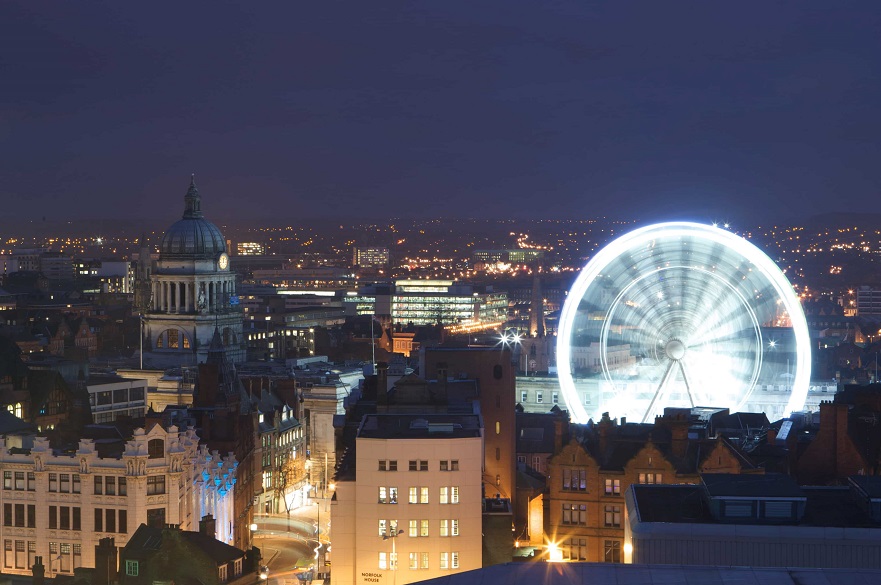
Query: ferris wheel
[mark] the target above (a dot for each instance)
(680, 314)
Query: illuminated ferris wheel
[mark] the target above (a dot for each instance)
(680, 314)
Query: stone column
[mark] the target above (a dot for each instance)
(180, 296)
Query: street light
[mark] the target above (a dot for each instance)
(393, 561)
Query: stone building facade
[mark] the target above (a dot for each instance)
(58, 506)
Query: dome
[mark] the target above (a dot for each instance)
(193, 235)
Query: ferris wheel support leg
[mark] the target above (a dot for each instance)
(660, 389)
(687, 385)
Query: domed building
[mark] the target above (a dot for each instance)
(191, 292)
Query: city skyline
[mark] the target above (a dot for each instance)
(413, 110)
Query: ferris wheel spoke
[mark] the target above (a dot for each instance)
(660, 389)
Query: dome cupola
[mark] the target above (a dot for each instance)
(192, 236)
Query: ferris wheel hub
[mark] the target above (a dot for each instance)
(675, 349)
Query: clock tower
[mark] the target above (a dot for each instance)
(191, 288)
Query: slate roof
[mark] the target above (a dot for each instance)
(751, 485)
(621, 574)
(147, 540)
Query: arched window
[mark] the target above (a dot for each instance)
(172, 339)
(156, 449)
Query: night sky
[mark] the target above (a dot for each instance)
(524, 109)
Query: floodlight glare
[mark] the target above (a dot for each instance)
(674, 314)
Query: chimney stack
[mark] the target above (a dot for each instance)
(208, 526)
(105, 562)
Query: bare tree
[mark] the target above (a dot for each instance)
(286, 476)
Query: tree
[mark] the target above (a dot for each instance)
(285, 477)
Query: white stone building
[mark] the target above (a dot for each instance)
(58, 506)
(414, 511)
(193, 291)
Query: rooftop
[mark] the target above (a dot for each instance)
(419, 426)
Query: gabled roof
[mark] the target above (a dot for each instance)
(147, 541)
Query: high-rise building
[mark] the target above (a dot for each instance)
(193, 292)
(370, 257)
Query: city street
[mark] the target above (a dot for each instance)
(285, 541)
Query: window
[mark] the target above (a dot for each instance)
(414, 561)
(454, 527)
(110, 520)
(155, 449)
(387, 465)
(99, 520)
(32, 482)
(19, 480)
(414, 528)
(454, 560)
(155, 485)
(574, 480)
(651, 478)
(131, 568)
(110, 486)
(612, 551)
(444, 465)
(523, 396)
(123, 521)
(445, 560)
(53, 517)
(7, 514)
(613, 516)
(413, 464)
(574, 514)
(454, 465)
(32, 516)
(388, 495)
(539, 397)
(53, 482)
(64, 522)
(237, 568)
(77, 519)
(121, 484)
(577, 549)
(423, 528)
(444, 495)
(19, 515)
(76, 483)
(388, 528)
(221, 573)
(99, 485)
(7, 557)
(444, 528)
(454, 494)
(65, 483)
(423, 465)
(388, 561)
(555, 397)
(423, 560)
(613, 487)
(7, 482)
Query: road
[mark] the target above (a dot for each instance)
(283, 554)
(284, 541)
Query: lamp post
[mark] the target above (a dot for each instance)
(393, 561)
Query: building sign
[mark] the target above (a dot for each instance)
(371, 577)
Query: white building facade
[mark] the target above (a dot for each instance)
(414, 510)
(59, 506)
(193, 292)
